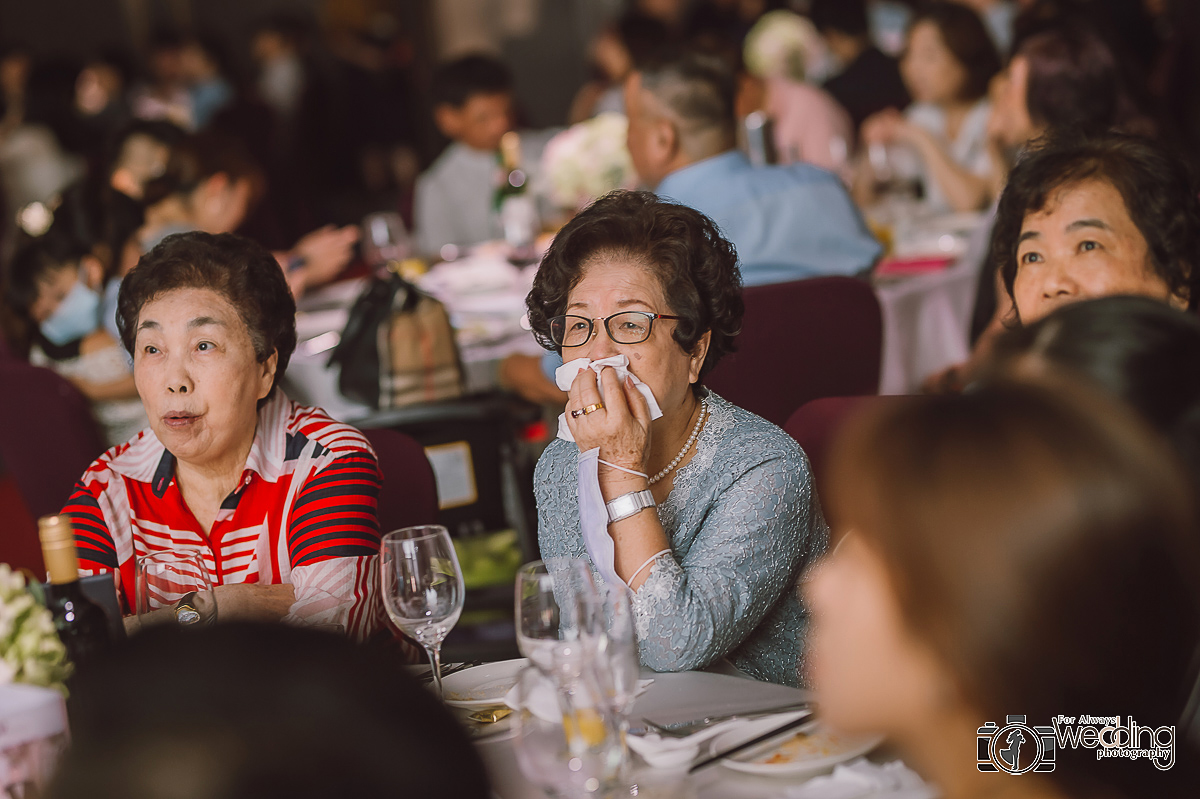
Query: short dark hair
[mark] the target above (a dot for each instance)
(1137, 349)
(239, 269)
(966, 37)
(848, 17)
(1158, 190)
(456, 82)
(237, 711)
(696, 267)
(699, 88)
(165, 133)
(1074, 80)
(198, 157)
(642, 35)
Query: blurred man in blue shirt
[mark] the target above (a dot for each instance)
(787, 222)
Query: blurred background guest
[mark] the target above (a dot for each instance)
(948, 61)
(615, 52)
(786, 222)
(269, 710)
(976, 530)
(867, 81)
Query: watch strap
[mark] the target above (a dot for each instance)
(627, 505)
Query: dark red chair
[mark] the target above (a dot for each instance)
(409, 494)
(815, 426)
(47, 434)
(800, 341)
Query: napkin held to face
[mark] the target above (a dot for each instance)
(564, 376)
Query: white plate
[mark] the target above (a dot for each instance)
(820, 750)
(482, 686)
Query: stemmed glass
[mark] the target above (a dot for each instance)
(384, 238)
(174, 587)
(542, 624)
(423, 587)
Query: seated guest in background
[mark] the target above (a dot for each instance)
(869, 81)
(998, 16)
(54, 290)
(209, 183)
(980, 532)
(713, 541)
(615, 52)
(240, 711)
(946, 66)
(787, 222)
(1085, 217)
(455, 198)
(140, 154)
(279, 498)
(1137, 349)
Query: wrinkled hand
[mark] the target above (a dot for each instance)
(326, 251)
(621, 429)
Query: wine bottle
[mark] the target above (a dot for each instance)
(80, 622)
(517, 208)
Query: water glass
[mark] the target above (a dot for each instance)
(567, 742)
(174, 587)
(423, 589)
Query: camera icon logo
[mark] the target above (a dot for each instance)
(1015, 748)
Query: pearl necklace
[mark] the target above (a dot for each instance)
(687, 445)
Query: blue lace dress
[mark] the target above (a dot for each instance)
(743, 521)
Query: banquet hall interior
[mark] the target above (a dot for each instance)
(669, 398)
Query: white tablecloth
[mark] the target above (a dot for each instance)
(671, 697)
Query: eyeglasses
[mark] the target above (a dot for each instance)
(626, 327)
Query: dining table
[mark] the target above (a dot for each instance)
(682, 696)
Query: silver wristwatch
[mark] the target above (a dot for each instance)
(626, 505)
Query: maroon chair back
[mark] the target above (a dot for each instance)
(48, 436)
(800, 341)
(815, 426)
(409, 494)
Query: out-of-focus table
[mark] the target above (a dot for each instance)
(927, 307)
(484, 295)
(671, 697)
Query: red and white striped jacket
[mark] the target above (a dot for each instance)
(303, 514)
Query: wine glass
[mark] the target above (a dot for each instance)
(423, 587)
(540, 623)
(174, 587)
(384, 238)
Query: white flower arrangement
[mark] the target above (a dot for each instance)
(30, 650)
(586, 161)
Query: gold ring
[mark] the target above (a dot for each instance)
(595, 406)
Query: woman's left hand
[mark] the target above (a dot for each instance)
(621, 428)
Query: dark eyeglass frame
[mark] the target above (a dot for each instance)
(650, 317)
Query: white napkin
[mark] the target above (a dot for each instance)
(564, 376)
(665, 751)
(543, 699)
(862, 778)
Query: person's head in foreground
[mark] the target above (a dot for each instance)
(655, 282)
(210, 324)
(473, 101)
(1022, 549)
(1087, 216)
(1137, 349)
(681, 110)
(251, 711)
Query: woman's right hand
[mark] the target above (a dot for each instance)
(621, 428)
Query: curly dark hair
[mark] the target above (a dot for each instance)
(1158, 190)
(695, 265)
(240, 270)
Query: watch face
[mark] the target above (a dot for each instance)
(186, 614)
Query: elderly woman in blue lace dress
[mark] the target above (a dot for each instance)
(709, 512)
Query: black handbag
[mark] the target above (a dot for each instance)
(398, 348)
